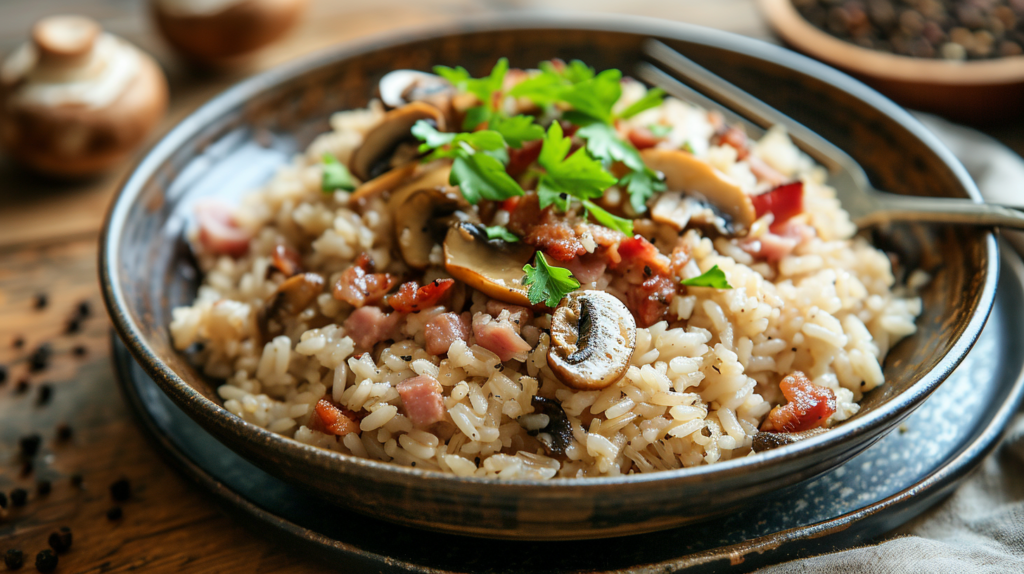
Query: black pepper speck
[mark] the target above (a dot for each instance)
(40, 358)
(74, 326)
(115, 513)
(45, 393)
(19, 496)
(21, 387)
(41, 301)
(60, 540)
(64, 432)
(3, 374)
(29, 444)
(19, 342)
(43, 487)
(79, 350)
(84, 309)
(46, 561)
(121, 490)
(14, 559)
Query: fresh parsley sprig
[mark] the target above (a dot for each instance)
(714, 278)
(577, 175)
(478, 161)
(335, 175)
(547, 283)
(604, 143)
(499, 232)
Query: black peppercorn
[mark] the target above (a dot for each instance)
(41, 301)
(60, 540)
(14, 559)
(63, 432)
(19, 496)
(115, 513)
(46, 561)
(3, 374)
(121, 490)
(29, 445)
(19, 342)
(45, 392)
(43, 487)
(74, 326)
(40, 358)
(21, 387)
(79, 350)
(84, 309)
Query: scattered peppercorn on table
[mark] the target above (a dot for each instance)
(81, 490)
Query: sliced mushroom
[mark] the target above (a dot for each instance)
(768, 440)
(384, 182)
(291, 297)
(373, 157)
(493, 267)
(417, 225)
(592, 340)
(678, 210)
(401, 87)
(684, 172)
(557, 435)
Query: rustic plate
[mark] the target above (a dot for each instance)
(236, 141)
(884, 486)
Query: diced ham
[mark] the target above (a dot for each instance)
(586, 268)
(286, 260)
(779, 242)
(411, 297)
(218, 231)
(498, 336)
(808, 406)
(422, 398)
(679, 258)
(518, 315)
(556, 239)
(642, 138)
(369, 325)
(329, 418)
(443, 330)
(764, 172)
(783, 202)
(733, 137)
(649, 301)
(357, 286)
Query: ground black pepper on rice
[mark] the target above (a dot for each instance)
(79, 350)
(41, 301)
(43, 487)
(46, 561)
(40, 358)
(45, 393)
(74, 326)
(14, 559)
(84, 309)
(19, 342)
(121, 490)
(3, 374)
(21, 387)
(115, 513)
(64, 432)
(29, 444)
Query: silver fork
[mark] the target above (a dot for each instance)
(866, 205)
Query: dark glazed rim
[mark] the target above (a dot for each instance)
(203, 409)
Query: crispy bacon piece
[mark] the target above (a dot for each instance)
(331, 419)
(544, 229)
(411, 297)
(369, 325)
(733, 137)
(637, 253)
(642, 138)
(808, 406)
(783, 202)
(357, 286)
(649, 300)
(218, 231)
(286, 260)
(443, 330)
(519, 160)
(422, 399)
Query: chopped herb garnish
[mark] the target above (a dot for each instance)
(641, 182)
(714, 278)
(651, 99)
(483, 88)
(659, 130)
(596, 97)
(608, 220)
(548, 284)
(336, 176)
(499, 232)
(479, 157)
(577, 175)
(516, 130)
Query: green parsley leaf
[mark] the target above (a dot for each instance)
(578, 175)
(603, 142)
(336, 176)
(475, 116)
(608, 220)
(516, 130)
(596, 96)
(483, 140)
(547, 283)
(713, 277)
(430, 136)
(483, 88)
(575, 71)
(651, 99)
(641, 185)
(481, 176)
(659, 130)
(549, 193)
(499, 232)
(542, 89)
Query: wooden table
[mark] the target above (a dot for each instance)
(48, 238)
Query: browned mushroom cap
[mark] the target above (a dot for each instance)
(495, 268)
(592, 340)
(684, 172)
(401, 87)
(677, 210)
(291, 297)
(768, 440)
(373, 157)
(417, 228)
(65, 41)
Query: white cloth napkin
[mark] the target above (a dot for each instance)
(980, 528)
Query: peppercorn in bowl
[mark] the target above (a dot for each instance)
(958, 58)
(495, 304)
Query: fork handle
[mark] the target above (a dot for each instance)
(892, 207)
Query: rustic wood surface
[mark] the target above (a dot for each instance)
(48, 239)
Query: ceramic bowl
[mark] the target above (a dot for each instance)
(238, 139)
(977, 91)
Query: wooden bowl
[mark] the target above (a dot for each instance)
(977, 91)
(237, 140)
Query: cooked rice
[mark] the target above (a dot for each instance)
(696, 391)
